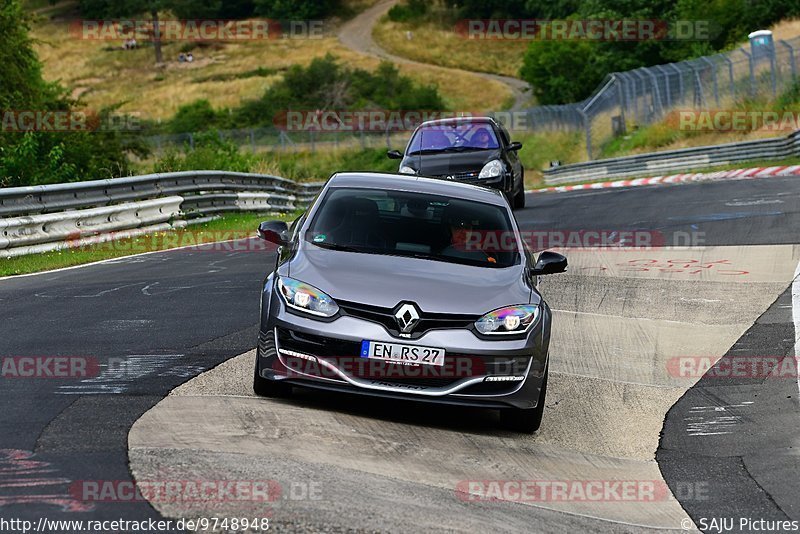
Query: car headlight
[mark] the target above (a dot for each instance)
(301, 296)
(405, 169)
(492, 169)
(508, 320)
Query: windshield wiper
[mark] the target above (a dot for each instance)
(337, 246)
(426, 151)
(463, 149)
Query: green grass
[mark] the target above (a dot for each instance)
(230, 226)
(305, 166)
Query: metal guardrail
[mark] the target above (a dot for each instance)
(682, 160)
(48, 217)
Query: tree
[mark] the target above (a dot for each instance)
(110, 9)
(36, 157)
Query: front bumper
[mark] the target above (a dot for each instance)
(503, 182)
(312, 353)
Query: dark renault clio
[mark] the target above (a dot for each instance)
(409, 288)
(474, 150)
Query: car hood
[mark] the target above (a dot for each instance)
(436, 287)
(451, 162)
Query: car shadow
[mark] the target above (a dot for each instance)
(463, 419)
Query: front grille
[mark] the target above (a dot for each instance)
(427, 321)
(460, 176)
(345, 356)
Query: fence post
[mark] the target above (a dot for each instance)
(699, 96)
(620, 100)
(772, 72)
(667, 90)
(792, 64)
(752, 72)
(681, 94)
(727, 58)
(714, 74)
(253, 140)
(588, 127)
(644, 116)
(656, 92)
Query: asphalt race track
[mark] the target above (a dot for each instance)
(628, 399)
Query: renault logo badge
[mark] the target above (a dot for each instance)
(407, 317)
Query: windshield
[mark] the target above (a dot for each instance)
(456, 137)
(418, 225)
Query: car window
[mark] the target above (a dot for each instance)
(461, 136)
(400, 223)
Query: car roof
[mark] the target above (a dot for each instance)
(418, 184)
(459, 120)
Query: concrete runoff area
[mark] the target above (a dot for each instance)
(622, 320)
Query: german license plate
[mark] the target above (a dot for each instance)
(400, 353)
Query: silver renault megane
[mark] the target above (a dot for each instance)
(409, 288)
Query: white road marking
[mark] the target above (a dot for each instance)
(796, 318)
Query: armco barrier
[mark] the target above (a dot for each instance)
(683, 160)
(48, 217)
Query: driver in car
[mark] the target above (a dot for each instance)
(462, 239)
(481, 139)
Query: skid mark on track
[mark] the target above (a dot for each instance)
(117, 375)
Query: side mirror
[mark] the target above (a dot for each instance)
(513, 147)
(549, 263)
(275, 232)
(394, 154)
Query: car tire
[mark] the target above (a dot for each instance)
(519, 199)
(269, 388)
(526, 421)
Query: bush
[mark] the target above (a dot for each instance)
(210, 153)
(295, 9)
(412, 10)
(194, 117)
(326, 84)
